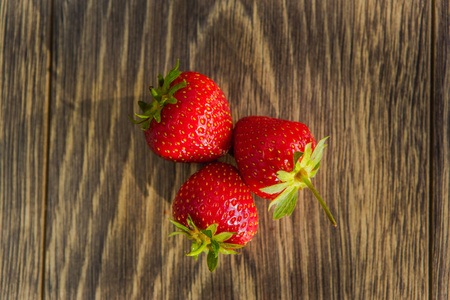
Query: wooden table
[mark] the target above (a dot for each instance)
(84, 203)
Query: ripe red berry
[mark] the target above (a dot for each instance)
(215, 209)
(189, 119)
(276, 158)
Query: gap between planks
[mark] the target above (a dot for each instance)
(46, 148)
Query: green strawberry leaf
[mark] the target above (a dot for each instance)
(157, 116)
(281, 197)
(275, 188)
(160, 80)
(292, 204)
(142, 116)
(144, 106)
(179, 232)
(212, 228)
(179, 225)
(136, 121)
(297, 168)
(171, 100)
(215, 247)
(284, 176)
(319, 147)
(155, 94)
(223, 236)
(146, 125)
(231, 246)
(198, 250)
(191, 223)
(306, 155)
(314, 171)
(297, 155)
(285, 205)
(227, 251)
(317, 155)
(175, 89)
(212, 261)
(171, 76)
(208, 233)
(195, 246)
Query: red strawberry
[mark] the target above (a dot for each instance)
(189, 119)
(215, 209)
(276, 158)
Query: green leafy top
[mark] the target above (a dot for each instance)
(162, 96)
(207, 241)
(298, 179)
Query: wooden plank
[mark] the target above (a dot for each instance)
(24, 58)
(359, 72)
(441, 154)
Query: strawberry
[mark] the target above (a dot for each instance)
(215, 209)
(189, 119)
(276, 158)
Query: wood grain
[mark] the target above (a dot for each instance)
(359, 72)
(24, 58)
(441, 154)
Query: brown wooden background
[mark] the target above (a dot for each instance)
(84, 203)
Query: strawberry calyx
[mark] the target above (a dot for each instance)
(206, 241)
(306, 165)
(162, 96)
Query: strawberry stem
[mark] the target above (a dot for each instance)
(322, 203)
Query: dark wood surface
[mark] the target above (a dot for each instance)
(24, 82)
(440, 176)
(84, 202)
